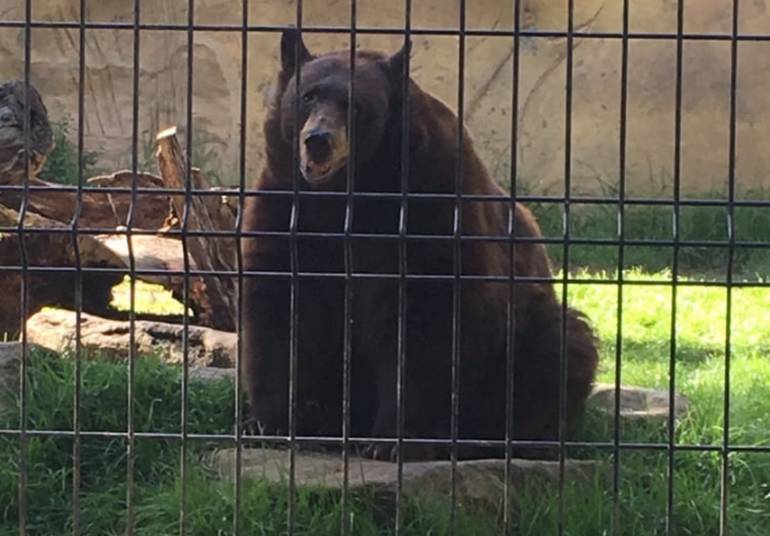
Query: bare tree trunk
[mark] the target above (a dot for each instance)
(209, 253)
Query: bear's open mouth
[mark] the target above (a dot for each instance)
(321, 174)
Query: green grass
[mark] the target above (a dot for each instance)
(157, 461)
(700, 373)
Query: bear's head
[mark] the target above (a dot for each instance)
(320, 101)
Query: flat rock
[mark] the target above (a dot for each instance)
(480, 483)
(54, 329)
(10, 361)
(637, 402)
(212, 374)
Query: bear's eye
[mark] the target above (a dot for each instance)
(308, 97)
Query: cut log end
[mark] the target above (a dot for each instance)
(166, 133)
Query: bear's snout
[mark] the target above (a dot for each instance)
(323, 150)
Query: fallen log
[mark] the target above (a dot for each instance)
(50, 250)
(98, 210)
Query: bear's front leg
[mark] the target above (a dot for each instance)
(424, 415)
(265, 360)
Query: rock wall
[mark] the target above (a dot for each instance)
(217, 76)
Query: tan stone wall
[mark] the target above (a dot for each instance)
(488, 83)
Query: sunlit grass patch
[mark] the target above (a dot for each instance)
(149, 298)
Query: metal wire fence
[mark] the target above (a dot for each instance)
(241, 437)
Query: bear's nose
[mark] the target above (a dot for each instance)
(319, 145)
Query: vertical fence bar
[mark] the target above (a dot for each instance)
(563, 357)
(78, 275)
(130, 438)
(511, 327)
(402, 267)
(457, 288)
(24, 298)
(348, 290)
(670, 506)
(237, 484)
(724, 496)
(294, 292)
(621, 231)
(186, 268)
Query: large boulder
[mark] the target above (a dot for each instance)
(54, 329)
(638, 403)
(480, 483)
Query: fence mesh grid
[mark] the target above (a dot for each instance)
(292, 440)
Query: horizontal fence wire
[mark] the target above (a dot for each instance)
(373, 276)
(326, 440)
(415, 30)
(675, 241)
(524, 198)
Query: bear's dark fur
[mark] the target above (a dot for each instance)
(482, 334)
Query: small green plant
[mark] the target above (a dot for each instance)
(207, 156)
(62, 164)
(650, 222)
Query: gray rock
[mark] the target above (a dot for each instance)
(637, 403)
(10, 354)
(10, 363)
(55, 330)
(212, 374)
(480, 483)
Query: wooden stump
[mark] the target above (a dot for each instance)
(209, 253)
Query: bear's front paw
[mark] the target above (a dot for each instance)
(255, 427)
(268, 418)
(410, 452)
(382, 452)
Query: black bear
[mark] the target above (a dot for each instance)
(450, 258)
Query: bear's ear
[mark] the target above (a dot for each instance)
(289, 41)
(397, 61)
